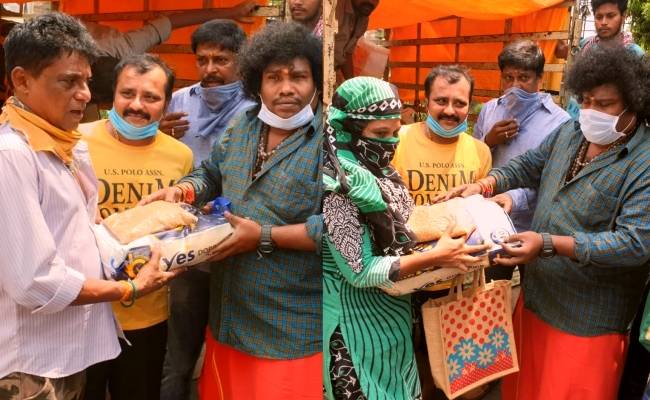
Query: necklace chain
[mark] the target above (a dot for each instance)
(580, 160)
(262, 155)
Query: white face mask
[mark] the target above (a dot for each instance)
(301, 118)
(599, 127)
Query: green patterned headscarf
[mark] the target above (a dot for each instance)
(351, 165)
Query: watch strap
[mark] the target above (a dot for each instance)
(266, 245)
(547, 245)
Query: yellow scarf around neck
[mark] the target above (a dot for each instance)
(40, 134)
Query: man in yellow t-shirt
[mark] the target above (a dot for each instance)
(437, 155)
(432, 158)
(132, 159)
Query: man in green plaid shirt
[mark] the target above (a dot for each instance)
(588, 253)
(264, 338)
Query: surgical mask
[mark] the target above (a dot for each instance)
(446, 133)
(129, 131)
(599, 127)
(216, 96)
(520, 104)
(301, 118)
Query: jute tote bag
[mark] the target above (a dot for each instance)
(469, 335)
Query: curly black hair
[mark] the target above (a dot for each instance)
(621, 4)
(279, 42)
(221, 32)
(37, 43)
(628, 72)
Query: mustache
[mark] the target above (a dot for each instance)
(129, 112)
(213, 79)
(452, 118)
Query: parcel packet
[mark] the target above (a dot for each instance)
(492, 226)
(183, 246)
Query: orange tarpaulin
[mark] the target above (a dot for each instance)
(182, 64)
(477, 18)
(395, 13)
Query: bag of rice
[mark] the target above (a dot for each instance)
(186, 238)
(492, 225)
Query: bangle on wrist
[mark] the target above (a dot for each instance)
(126, 293)
(133, 294)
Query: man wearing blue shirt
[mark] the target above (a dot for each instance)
(197, 115)
(516, 122)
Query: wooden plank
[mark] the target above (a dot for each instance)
(287, 10)
(477, 92)
(262, 11)
(457, 46)
(330, 28)
(487, 66)
(172, 48)
(552, 35)
(417, 70)
(575, 32)
(507, 28)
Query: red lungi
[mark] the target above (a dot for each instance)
(559, 366)
(229, 374)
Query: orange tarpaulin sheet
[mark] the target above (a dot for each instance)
(395, 13)
(183, 64)
(551, 19)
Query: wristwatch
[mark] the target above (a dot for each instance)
(266, 245)
(548, 250)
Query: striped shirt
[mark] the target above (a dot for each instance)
(47, 251)
(599, 292)
(267, 307)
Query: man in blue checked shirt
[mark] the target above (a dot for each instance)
(516, 122)
(588, 251)
(198, 115)
(264, 338)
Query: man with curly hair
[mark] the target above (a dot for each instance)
(198, 115)
(264, 338)
(588, 249)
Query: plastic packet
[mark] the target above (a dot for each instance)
(184, 246)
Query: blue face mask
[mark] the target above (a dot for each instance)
(129, 131)
(520, 104)
(446, 133)
(214, 97)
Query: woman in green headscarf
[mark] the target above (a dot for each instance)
(368, 352)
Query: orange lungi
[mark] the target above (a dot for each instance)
(229, 374)
(560, 366)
